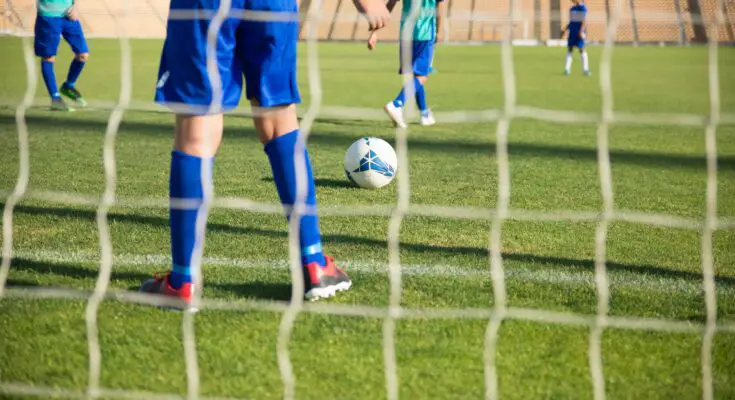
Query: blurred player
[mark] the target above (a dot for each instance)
(265, 53)
(577, 28)
(424, 37)
(57, 19)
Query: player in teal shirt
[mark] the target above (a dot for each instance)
(56, 19)
(423, 39)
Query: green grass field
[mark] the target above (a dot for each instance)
(655, 272)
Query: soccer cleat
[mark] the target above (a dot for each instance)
(73, 94)
(322, 282)
(395, 114)
(160, 285)
(428, 119)
(587, 73)
(566, 72)
(60, 105)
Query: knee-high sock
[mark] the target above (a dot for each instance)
(75, 69)
(568, 65)
(420, 96)
(49, 78)
(185, 183)
(280, 153)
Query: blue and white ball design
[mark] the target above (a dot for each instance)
(371, 163)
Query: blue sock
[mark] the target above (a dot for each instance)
(75, 69)
(420, 96)
(280, 153)
(400, 99)
(185, 183)
(49, 78)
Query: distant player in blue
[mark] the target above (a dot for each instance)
(265, 53)
(56, 19)
(577, 29)
(424, 38)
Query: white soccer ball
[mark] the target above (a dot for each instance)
(371, 163)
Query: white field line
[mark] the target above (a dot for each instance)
(45, 392)
(549, 275)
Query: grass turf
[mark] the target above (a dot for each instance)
(655, 272)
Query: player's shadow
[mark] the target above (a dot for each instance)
(416, 143)
(21, 283)
(325, 183)
(258, 290)
(279, 293)
(72, 271)
(131, 280)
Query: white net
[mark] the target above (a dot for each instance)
(500, 310)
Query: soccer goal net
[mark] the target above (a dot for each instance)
(499, 25)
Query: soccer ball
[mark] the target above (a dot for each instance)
(371, 163)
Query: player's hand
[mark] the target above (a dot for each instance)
(582, 35)
(372, 40)
(72, 14)
(375, 12)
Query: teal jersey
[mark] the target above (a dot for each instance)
(54, 8)
(425, 28)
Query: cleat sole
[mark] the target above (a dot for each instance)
(327, 292)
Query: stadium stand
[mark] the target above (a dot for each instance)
(641, 21)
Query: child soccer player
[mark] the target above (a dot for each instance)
(265, 53)
(577, 28)
(424, 37)
(56, 19)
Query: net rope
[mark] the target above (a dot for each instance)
(495, 315)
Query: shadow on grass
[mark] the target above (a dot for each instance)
(579, 264)
(460, 146)
(325, 182)
(257, 290)
(21, 283)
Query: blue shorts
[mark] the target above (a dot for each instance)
(48, 32)
(422, 57)
(575, 41)
(263, 51)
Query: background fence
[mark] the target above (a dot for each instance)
(644, 21)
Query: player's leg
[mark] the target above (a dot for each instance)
(196, 142)
(585, 58)
(197, 138)
(569, 59)
(74, 35)
(184, 85)
(394, 109)
(423, 56)
(45, 43)
(272, 89)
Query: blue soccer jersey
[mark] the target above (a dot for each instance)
(264, 52)
(577, 16)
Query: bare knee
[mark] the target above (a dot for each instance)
(198, 135)
(272, 122)
(82, 57)
(422, 79)
(49, 59)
